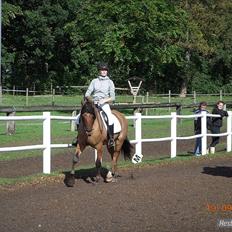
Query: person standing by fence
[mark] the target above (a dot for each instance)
(197, 127)
(217, 124)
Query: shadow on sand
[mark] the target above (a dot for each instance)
(87, 175)
(218, 171)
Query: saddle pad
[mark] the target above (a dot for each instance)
(117, 125)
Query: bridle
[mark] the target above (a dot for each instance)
(87, 110)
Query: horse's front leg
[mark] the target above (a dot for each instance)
(71, 179)
(99, 161)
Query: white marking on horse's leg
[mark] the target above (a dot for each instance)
(109, 177)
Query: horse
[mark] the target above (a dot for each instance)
(92, 132)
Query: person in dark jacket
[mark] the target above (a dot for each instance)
(217, 124)
(197, 127)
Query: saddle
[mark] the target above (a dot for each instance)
(105, 120)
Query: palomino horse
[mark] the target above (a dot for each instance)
(92, 132)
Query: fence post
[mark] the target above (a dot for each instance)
(10, 125)
(138, 134)
(220, 95)
(169, 99)
(27, 93)
(173, 135)
(194, 97)
(229, 131)
(53, 97)
(204, 133)
(73, 123)
(147, 100)
(47, 143)
(0, 93)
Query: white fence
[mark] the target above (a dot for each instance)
(47, 145)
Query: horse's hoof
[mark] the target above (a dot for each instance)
(97, 179)
(109, 177)
(70, 181)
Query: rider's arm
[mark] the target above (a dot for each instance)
(105, 100)
(90, 89)
(111, 91)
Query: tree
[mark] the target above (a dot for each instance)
(136, 37)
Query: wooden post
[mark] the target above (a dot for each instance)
(34, 89)
(194, 97)
(178, 112)
(0, 93)
(27, 96)
(147, 100)
(10, 125)
(53, 97)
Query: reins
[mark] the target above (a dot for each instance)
(99, 119)
(97, 116)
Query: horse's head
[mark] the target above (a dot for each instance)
(88, 114)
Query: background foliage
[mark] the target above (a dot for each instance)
(179, 45)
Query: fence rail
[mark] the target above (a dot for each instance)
(47, 143)
(147, 97)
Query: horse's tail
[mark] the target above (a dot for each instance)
(127, 148)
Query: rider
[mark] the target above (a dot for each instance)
(103, 92)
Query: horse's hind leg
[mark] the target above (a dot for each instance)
(114, 156)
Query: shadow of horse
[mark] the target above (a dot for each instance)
(218, 171)
(87, 175)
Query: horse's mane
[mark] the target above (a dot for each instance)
(87, 107)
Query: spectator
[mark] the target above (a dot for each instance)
(217, 124)
(197, 127)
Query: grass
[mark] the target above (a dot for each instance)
(75, 100)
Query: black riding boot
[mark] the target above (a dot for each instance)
(75, 142)
(111, 136)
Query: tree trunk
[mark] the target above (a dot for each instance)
(183, 90)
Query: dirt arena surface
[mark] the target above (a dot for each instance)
(62, 161)
(192, 196)
(181, 196)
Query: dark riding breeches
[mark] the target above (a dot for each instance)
(215, 140)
